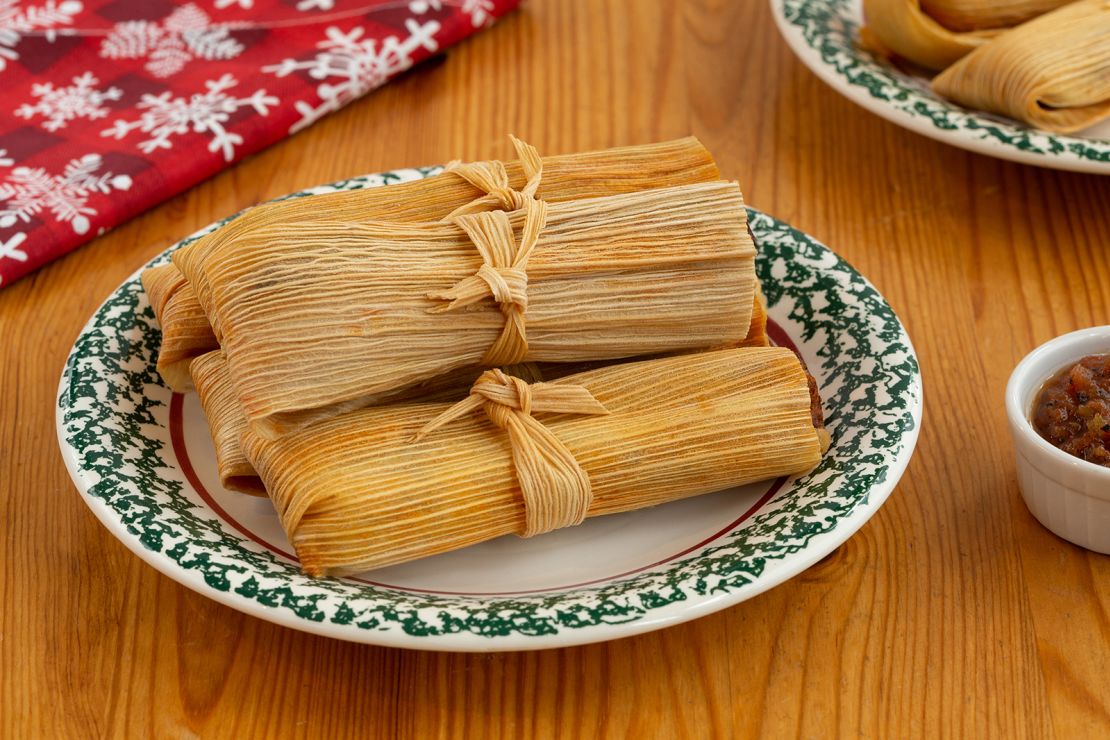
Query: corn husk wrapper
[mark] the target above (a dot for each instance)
(227, 422)
(1052, 72)
(160, 283)
(974, 15)
(902, 28)
(565, 177)
(185, 330)
(186, 335)
(357, 492)
(323, 318)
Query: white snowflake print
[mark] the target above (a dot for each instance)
(28, 191)
(168, 45)
(221, 4)
(304, 5)
(17, 21)
(5, 160)
(357, 63)
(10, 248)
(423, 6)
(60, 105)
(165, 116)
(480, 11)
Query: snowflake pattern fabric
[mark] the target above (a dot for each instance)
(116, 105)
(60, 105)
(29, 191)
(167, 46)
(351, 65)
(18, 20)
(164, 117)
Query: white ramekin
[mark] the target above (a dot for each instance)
(1068, 495)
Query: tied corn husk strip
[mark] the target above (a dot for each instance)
(902, 28)
(565, 177)
(492, 179)
(974, 15)
(1052, 72)
(554, 488)
(316, 319)
(227, 422)
(503, 276)
(356, 492)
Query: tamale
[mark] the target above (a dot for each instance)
(226, 423)
(757, 327)
(160, 283)
(1052, 72)
(975, 15)
(565, 177)
(384, 485)
(902, 28)
(320, 318)
(185, 329)
(187, 335)
(226, 420)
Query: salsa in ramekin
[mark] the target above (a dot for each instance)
(1072, 410)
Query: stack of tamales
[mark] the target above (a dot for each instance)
(501, 348)
(1043, 62)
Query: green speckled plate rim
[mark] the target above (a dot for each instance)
(111, 429)
(824, 34)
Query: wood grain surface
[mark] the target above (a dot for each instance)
(952, 613)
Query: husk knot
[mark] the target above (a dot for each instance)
(502, 276)
(492, 178)
(555, 489)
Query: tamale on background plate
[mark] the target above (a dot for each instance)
(824, 34)
(143, 461)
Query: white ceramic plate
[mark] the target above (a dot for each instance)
(142, 460)
(825, 34)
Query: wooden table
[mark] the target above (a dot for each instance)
(951, 613)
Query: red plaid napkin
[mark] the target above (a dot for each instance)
(112, 106)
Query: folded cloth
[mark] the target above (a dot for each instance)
(112, 106)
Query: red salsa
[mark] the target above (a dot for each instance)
(1073, 410)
